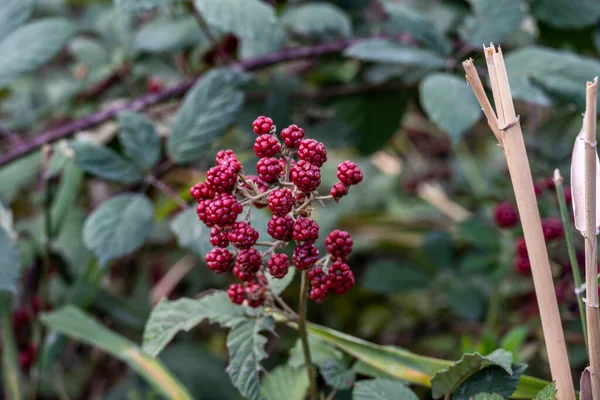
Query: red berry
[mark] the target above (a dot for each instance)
(222, 178)
(236, 293)
(242, 235)
(319, 284)
(281, 228)
(262, 125)
(339, 244)
(256, 294)
(281, 202)
(200, 191)
(278, 265)
(306, 176)
(338, 191)
(202, 211)
(36, 304)
(268, 169)
(243, 276)
(349, 173)
(568, 196)
(505, 215)
(552, 228)
(292, 136)
(218, 237)
(521, 247)
(549, 183)
(27, 357)
(538, 189)
(306, 230)
(341, 277)
(266, 146)
(522, 265)
(20, 317)
(305, 256)
(312, 151)
(249, 261)
(218, 260)
(154, 84)
(224, 155)
(223, 210)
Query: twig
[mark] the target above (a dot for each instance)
(166, 285)
(167, 191)
(304, 337)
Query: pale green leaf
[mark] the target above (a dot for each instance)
(488, 396)
(32, 45)
(382, 389)
(450, 103)
(13, 14)
(104, 162)
(170, 317)
(493, 21)
(140, 5)
(362, 368)
(317, 20)
(119, 226)
(549, 393)
(139, 139)
(493, 379)
(246, 351)
(10, 263)
(320, 351)
(387, 51)
(248, 19)
(567, 14)
(337, 373)
(279, 285)
(17, 174)
(191, 233)
(285, 382)
(169, 36)
(88, 51)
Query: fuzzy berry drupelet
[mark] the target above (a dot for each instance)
(281, 228)
(236, 293)
(306, 176)
(221, 178)
(505, 215)
(319, 284)
(255, 294)
(243, 276)
(312, 151)
(341, 277)
(268, 169)
(292, 136)
(223, 210)
(248, 261)
(266, 146)
(262, 125)
(349, 173)
(522, 265)
(218, 260)
(242, 235)
(305, 256)
(281, 202)
(218, 237)
(552, 228)
(306, 230)
(202, 211)
(200, 191)
(278, 265)
(338, 191)
(339, 244)
(225, 155)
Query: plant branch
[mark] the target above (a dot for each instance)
(304, 337)
(167, 191)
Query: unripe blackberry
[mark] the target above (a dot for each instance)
(306, 176)
(340, 277)
(255, 294)
(266, 146)
(248, 261)
(200, 191)
(268, 169)
(20, 317)
(218, 260)
(218, 237)
(339, 244)
(223, 210)
(521, 247)
(505, 215)
(305, 256)
(522, 265)
(306, 230)
(552, 228)
(236, 293)
(319, 284)
(224, 155)
(202, 211)
(222, 178)
(349, 173)
(281, 228)
(281, 202)
(243, 276)
(538, 189)
(292, 136)
(242, 235)
(338, 191)
(312, 151)
(278, 265)
(262, 125)
(27, 357)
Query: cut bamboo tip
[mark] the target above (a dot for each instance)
(557, 177)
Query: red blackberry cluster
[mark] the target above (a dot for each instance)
(288, 175)
(22, 318)
(505, 215)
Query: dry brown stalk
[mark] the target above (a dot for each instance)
(505, 125)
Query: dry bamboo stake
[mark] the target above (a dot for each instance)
(591, 269)
(509, 128)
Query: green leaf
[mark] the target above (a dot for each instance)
(119, 226)
(279, 285)
(488, 396)
(17, 174)
(320, 352)
(10, 263)
(139, 139)
(208, 108)
(382, 389)
(88, 51)
(479, 233)
(337, 373)
(466, 299)
(387, 51)
(73, 322)
(389, 277)
(139, 5)
(10, 369)
(13, 14)
(493, 21)
(169, 36)
(65, 196)
(170, 317)
(285, 382)
(191, 233)
(492, 379)
(447, 380)
(317, 21)
(246, 351)
(248, 19)
(450, 103)
(32, 45)
(514, 339)
(362, 368)
(566, 14)
(549, 392)
(104, 162)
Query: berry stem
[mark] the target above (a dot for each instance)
(304, 336)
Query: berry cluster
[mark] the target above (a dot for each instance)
(288, 174)
(22, 318)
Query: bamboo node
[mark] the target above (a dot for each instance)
(590, 143)
(590, 305)
(511, 124)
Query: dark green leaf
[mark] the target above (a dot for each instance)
(389, 277)
(10, 262)
(285, 382)
(479, 233)
(337, 373)
(191, 233)
(139, 139)
(104, 162)
(493, 21)
(466, 300)
(487, 396)
(169, 36)
(381, 389)
(493, 379)
(387, 51)
(13, 14)
(248, 19)
(549, 393)
(317, 20)
(567, 14)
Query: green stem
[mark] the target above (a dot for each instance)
(564, 216)
(304, 337)
(10, 371)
